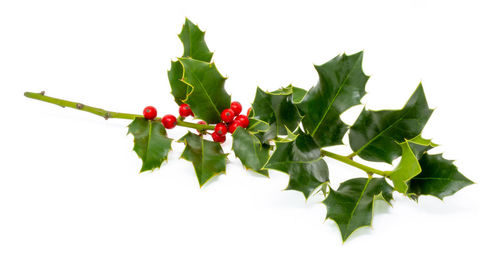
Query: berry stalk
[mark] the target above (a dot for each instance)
(104, 113)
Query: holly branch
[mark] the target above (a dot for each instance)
(105, 113)
(200, 127)
(288, 129)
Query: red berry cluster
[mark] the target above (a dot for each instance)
(231, 119)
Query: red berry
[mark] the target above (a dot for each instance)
(236, 107)
(243, 120)
(248, 111)
(233, 125)
(169, 121)
(218, 138)
(227, 115)
(202, 123)
(185, 110)
(220, 129)
(149, 112)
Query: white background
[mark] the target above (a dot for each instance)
(69, 184)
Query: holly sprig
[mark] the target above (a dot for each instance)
(287, 130)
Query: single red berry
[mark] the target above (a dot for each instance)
(185, 110)
(248, 111)
(243, 120)
(233, 125)
(169, 121)
(236, 107)
(149, 112)
(227, 115)
(202, 123)
(220, 129)
(218, 138)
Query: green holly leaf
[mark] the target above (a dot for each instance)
(297, 94)
(179, 88)
(439, 178)
(256, 126)
(252, 153)
(301, 159)
(341, 86)
(150, 142)
(193, 40)
(419, 145)
(206, 94)
(351, 206)
(207, 157)
(375, 134)
(407, 168)
(277, 109)
(290, 136)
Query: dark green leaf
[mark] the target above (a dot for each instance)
(250, 151)
(179, 88)
(352, 204)
(419, 145)
(207, 157)
(277, 109)
(150, 142)
(255, 126)
(193, 40)
(206, 94)
(439, 177)
(194, 47)
(375, 134)
(341, 86)
(301, 159)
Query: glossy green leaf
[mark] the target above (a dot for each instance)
(302, 160)
(341, 86)
(419, 145)
(375, 134)
(290, 136)
(207, 157)
(439, 178)
(179, 88)
(150, 142)
(206, 94)
(256, 126)
(277, 109)
(193, 40)
(351, 205)
(250, 151)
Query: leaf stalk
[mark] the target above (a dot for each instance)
(349, 161)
